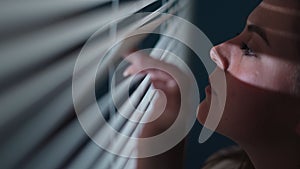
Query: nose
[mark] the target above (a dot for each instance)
(219, 58)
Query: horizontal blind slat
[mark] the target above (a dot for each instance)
(34, 131)
(40, 83)
(14, 14)
(86, 157)
(56, 152)
(33, 89)
(41, 46)
(87, 69)
(58, 143)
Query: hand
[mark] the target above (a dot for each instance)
(141, 63)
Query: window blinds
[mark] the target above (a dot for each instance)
(40, 42)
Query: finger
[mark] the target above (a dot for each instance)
(129, 70)
(146, 64)
(136, 57)
(159, 85)
(133, 69)
(159, 75)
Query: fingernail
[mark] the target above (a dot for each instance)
(125, 73)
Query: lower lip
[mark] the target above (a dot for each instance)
(208, 89)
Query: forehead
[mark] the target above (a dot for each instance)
(280, 17)
(280, 20)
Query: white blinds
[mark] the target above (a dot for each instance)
(40, 42)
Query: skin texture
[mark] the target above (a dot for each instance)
(262, 110)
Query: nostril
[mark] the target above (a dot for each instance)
(220, 60)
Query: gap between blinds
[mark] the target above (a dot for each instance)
(39, 48)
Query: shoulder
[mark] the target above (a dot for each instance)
(229, 158)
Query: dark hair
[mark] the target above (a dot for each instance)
(229, 158)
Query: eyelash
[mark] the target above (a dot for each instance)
(247, 51)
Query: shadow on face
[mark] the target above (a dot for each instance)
(262, 73)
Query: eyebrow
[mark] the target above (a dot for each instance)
(260, 31)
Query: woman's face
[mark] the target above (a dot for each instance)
(259, 66)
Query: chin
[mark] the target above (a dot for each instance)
(202, 111)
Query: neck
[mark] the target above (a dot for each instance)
(278, 155)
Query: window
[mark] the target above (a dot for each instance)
(40, 42)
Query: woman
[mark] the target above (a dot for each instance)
(262, 110)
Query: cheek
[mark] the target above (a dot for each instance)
(245, 108)
(252, 100)
(240, 98)
(247, 71)
(264, 73)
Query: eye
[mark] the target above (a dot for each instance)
(247, 51)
